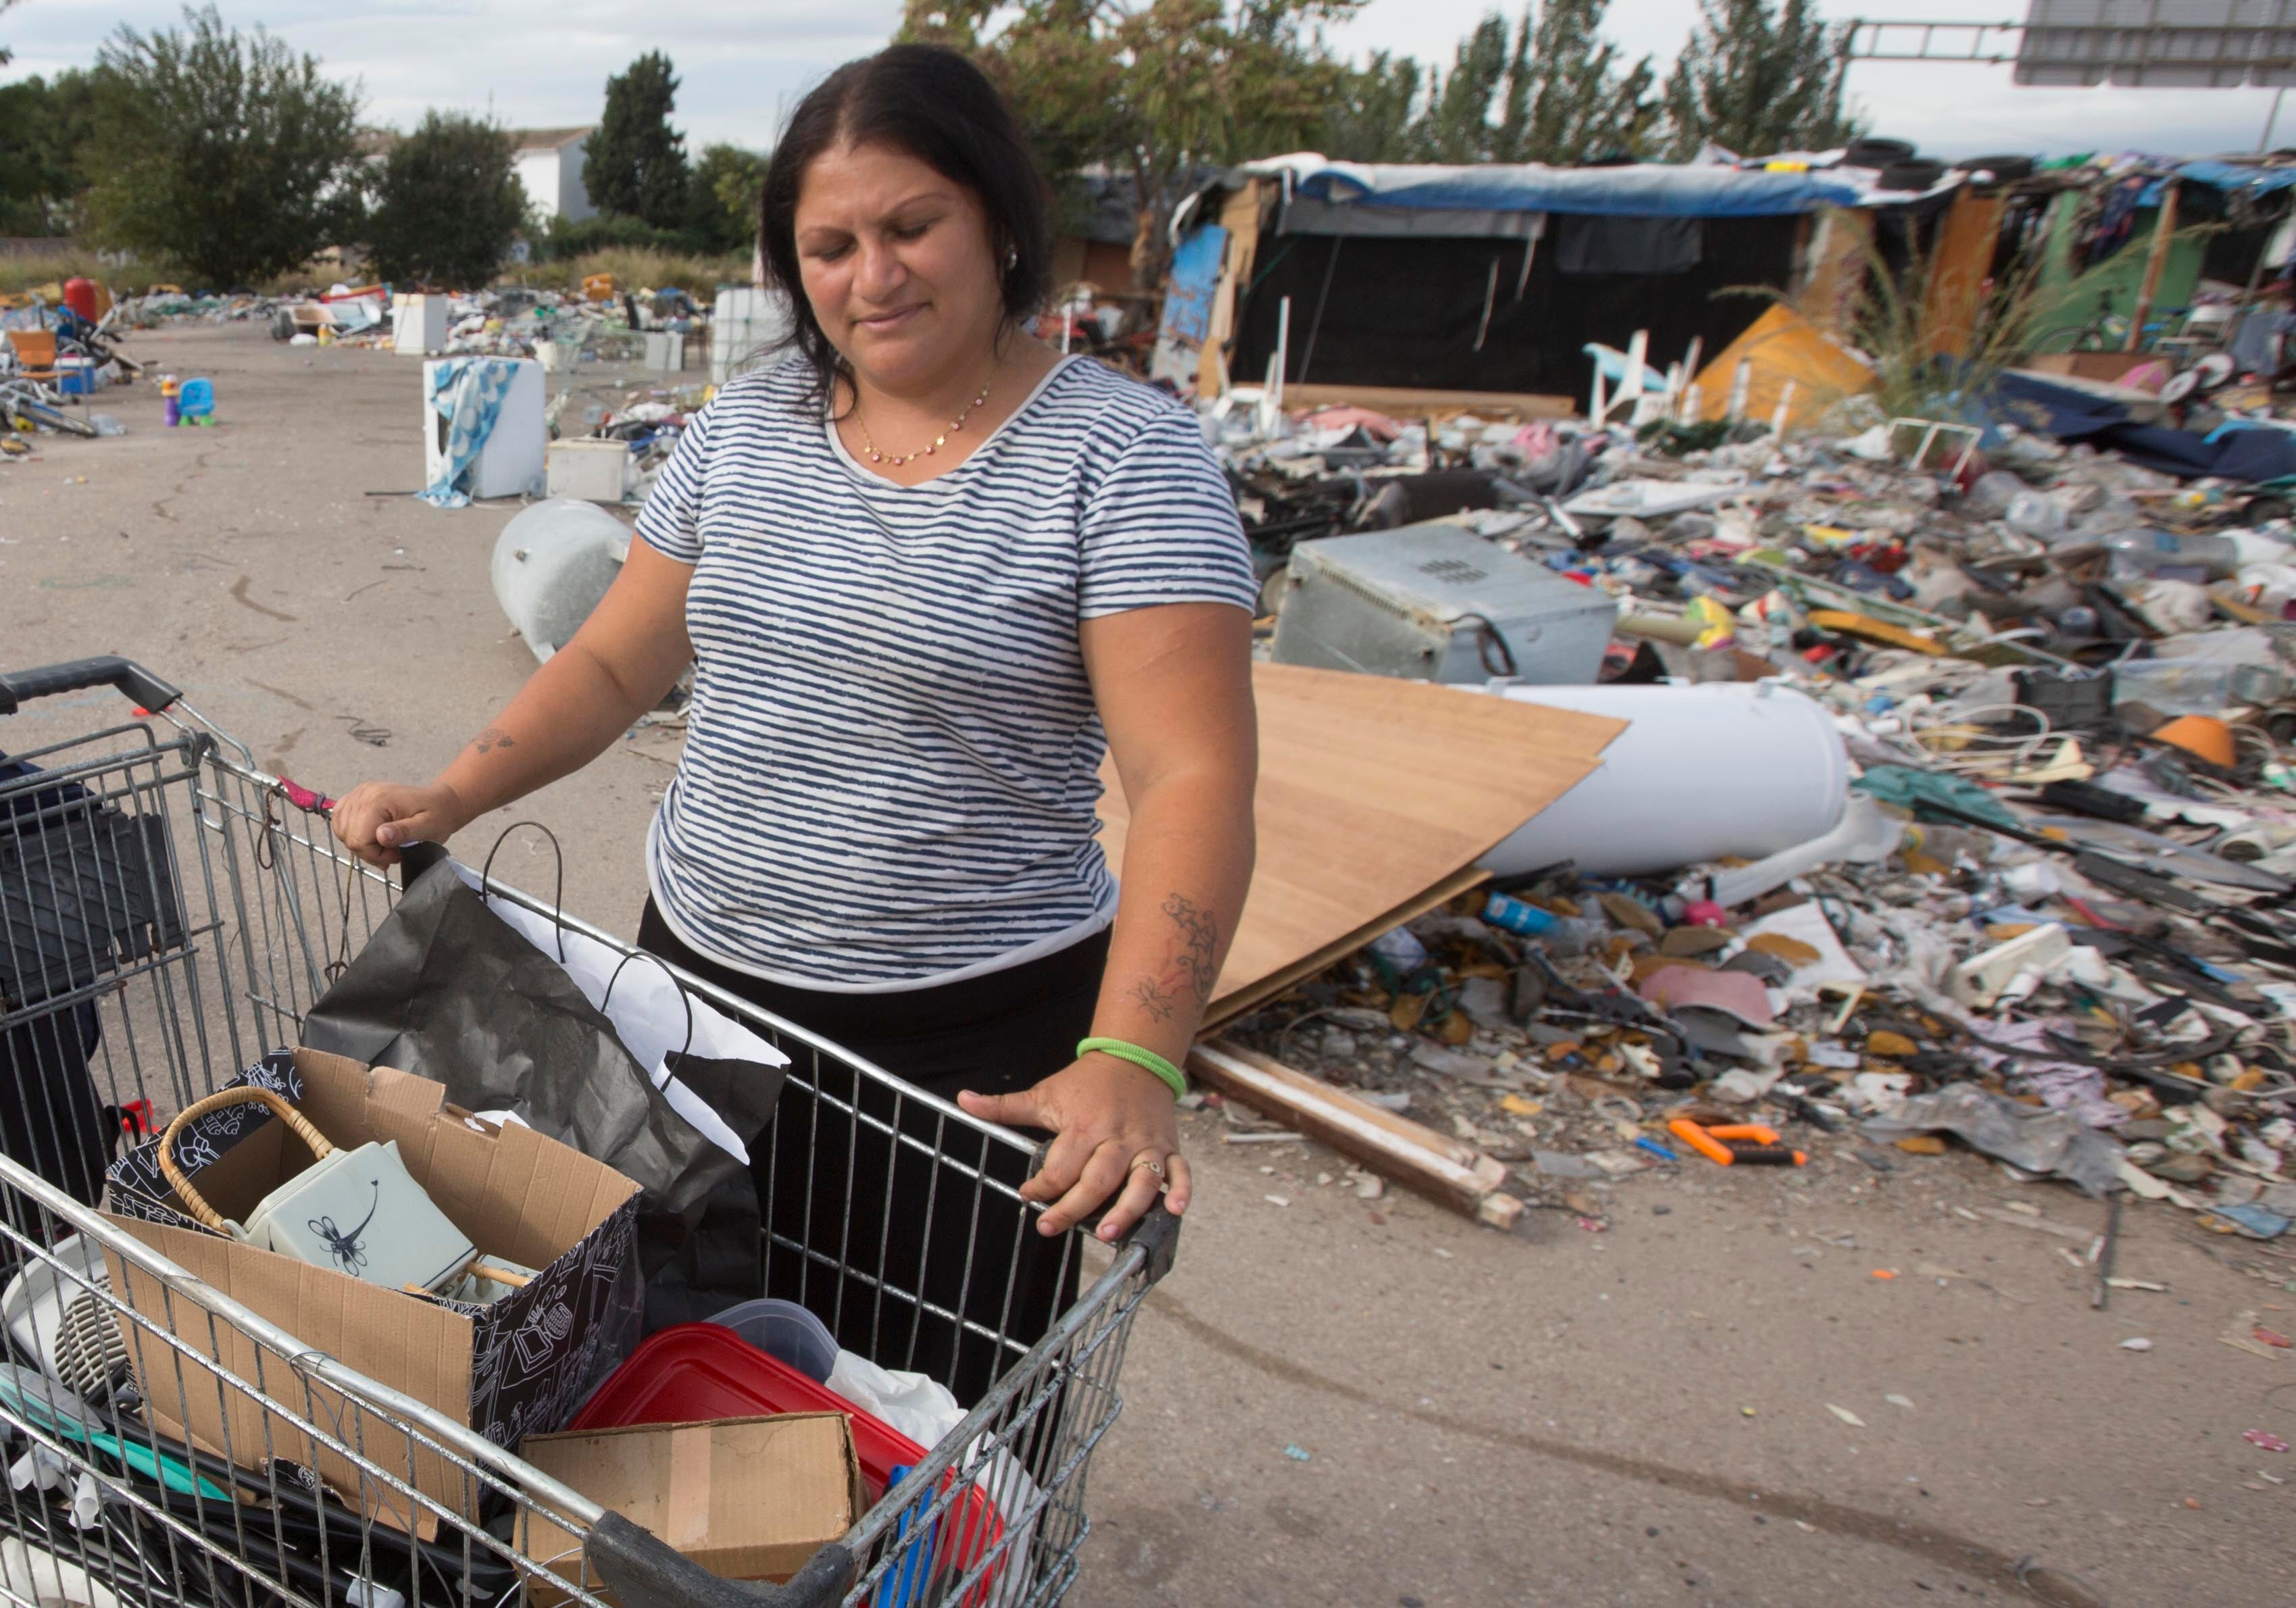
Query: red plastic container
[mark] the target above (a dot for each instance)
(79, 296)
(693, 1373)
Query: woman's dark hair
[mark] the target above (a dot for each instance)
(936, 106)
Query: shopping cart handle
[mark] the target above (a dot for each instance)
(1157, 1233)
(131, 678)
(643, 1571)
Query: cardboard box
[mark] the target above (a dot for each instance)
(514, 1367)
(2090, 365)
(746, 1499)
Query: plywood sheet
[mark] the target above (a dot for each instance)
(1373, 795)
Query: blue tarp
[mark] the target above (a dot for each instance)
(1644, 190)
(2231, 177)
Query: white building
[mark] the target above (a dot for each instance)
(549, 163)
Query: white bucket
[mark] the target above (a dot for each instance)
(1700, 772)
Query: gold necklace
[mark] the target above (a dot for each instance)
(896, 459)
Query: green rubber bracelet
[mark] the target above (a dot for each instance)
(1123, 1051)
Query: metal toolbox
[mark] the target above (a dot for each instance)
(1438, 602)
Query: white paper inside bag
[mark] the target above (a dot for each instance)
(648, 1011)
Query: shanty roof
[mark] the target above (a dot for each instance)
(1634, 190)
(548, 139)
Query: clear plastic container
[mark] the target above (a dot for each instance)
(785, 1331)
(2164, 553)
(2195, 686)
(2031, 513)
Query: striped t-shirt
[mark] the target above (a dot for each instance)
(892, 755)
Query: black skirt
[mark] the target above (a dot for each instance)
(883, 1246)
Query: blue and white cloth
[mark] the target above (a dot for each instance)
(468, 392)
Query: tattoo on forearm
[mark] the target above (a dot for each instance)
(1155, 998)
(1192, 966)
(492, 738)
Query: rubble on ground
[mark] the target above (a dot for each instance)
(2062, 677)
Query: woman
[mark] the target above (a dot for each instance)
(928, 570)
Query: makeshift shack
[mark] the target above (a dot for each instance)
(1489, 278)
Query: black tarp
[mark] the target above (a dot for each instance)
(1408, 312)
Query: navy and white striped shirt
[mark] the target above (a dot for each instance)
(892, 757)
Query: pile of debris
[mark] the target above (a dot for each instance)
(2053, 918)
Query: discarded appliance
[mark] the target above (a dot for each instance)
(494, 415)
(418, 327)
(1438, 602)
(597, 471)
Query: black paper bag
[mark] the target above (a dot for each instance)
(447, 990)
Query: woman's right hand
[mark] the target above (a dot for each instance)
(375, 818)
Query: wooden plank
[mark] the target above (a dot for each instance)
(1239, 217)
(1960, 265)
(2156, 258)
(1228, 1007)
(1375, 793)
(1406, 403)
(1444, 1170)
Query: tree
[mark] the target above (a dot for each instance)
(222, 152)
(1550, 89)
(1756, 78)
(636, 160)
(44, 125)
(1457, 125)
(1157, 89)
(727, 181)
(1370, 120)
(449, 203)
(1571, 101)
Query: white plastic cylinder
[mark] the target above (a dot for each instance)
(1700, 772)
(551, 564)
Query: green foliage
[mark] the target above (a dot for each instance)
(564, 242)
(642, 267)
(1370, 119)
(727, 181)
(449, 203)
(1758, 77)
(1579, 103)
(1157, 89)
(43, 128)
(636, 161)
(1550, 89)
(224, 152)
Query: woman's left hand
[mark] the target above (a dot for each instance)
(1109, 1120)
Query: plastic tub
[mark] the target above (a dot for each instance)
(784, 1330)
(693, 1373)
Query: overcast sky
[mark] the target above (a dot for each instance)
(544, 62)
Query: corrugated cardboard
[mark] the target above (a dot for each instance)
(746, 1499)
(516, 1365)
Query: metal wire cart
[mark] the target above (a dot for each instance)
(167, 913)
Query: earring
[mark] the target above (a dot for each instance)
(1012, 257)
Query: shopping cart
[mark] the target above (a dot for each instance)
(167, 913)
